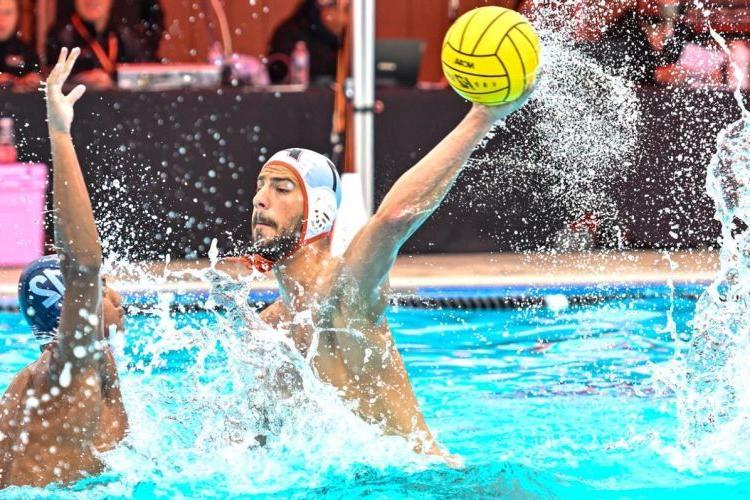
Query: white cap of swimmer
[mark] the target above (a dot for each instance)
(321, 190)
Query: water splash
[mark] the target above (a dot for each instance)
(739, 74)
(230, 403)
(670, 327)
(579, 132)
(713, 393)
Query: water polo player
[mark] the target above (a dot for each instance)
(294, 208)
(61, 410)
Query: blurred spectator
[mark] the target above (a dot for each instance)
(730, 18)
(668, 41)
(19, 64)
(318, 23)
(144, 17)
(725, 16)
(637, 38)
(103, 41)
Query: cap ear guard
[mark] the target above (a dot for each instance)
(321, 212)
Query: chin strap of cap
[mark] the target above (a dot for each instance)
(259, 263)
(253, 262)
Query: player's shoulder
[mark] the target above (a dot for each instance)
(21, 383)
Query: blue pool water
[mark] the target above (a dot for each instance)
(539, 402)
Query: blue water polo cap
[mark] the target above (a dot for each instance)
(40, 294)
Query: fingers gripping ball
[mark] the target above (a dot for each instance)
(491, 55)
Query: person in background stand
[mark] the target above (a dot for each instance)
(19, 64)
(144, 17)
(318, 23)
(104, 43)
(641, 39)
(730, 18)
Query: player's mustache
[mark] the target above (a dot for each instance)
(259, 219)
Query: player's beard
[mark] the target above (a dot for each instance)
(280, 246)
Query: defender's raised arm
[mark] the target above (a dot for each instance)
(64, 407)
(76, 236)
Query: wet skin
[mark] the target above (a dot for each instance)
(356, 353)
(347, 296)
(66, 406)
(50, 438)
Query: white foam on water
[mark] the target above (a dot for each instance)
(201, 397)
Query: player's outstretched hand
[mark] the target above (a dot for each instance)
(60, 106)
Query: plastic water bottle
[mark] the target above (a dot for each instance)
(299, 65)
(7, 141)
(216, 54)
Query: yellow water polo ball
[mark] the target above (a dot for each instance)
(491, 55)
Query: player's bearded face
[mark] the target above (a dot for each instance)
(281, 242)
(278, 211)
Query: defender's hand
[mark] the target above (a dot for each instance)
(60, 106)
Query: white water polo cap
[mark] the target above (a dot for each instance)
(321, 190)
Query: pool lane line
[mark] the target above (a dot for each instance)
(516, 297)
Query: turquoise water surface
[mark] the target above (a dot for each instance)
(539, 402)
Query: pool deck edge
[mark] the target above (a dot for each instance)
(412, 273)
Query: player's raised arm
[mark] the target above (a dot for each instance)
(415, 196)
(65, 406)
(76, 236)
